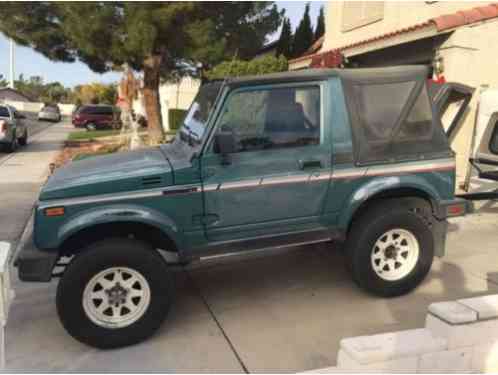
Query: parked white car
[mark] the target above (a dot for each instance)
(13, 130)
(49, 113)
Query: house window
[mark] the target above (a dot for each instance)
(360, 13)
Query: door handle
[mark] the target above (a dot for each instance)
(209, 172)
(304, 164)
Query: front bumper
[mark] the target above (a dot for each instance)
(33, 264)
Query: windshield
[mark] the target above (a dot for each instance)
(194, 124)
(50, 109)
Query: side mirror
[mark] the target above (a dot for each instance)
(224, 144)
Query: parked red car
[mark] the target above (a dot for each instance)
(95, 117)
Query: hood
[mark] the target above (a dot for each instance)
(124, 171)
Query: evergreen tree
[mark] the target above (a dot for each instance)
(303, 38)
(320, 24)
(157, 38)
(285, 41)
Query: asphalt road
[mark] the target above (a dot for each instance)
(35, 127)
(23, 172)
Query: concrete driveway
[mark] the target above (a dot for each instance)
(278, 311)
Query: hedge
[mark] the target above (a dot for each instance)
(175, 118)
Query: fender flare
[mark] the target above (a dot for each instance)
(381, 185)
(120, 213)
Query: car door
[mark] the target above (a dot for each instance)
(278, 177)
(451, 101)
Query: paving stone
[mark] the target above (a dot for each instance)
(457, 360)
(486, 307)
(389, 346)
(453, 312)
(408, 364)
(462, 335)
(485, 357)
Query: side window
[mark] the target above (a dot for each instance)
(380, 106)
(493, 143)
(418, 123)
(273, 118)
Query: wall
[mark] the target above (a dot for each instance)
(172, 95)
(396, 15)
(469, 58)
(66, 109)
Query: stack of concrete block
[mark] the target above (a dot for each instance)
(470, 327)
(6, 296)
(459, 336)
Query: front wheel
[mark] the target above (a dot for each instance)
(391, 248)
(115, 293)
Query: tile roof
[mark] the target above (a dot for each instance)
(441, 23)
(465, 17)
(315, 47)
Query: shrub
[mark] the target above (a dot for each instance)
(237, 68)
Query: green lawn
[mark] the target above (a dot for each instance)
(87, 135)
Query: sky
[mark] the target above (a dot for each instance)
(30, 63)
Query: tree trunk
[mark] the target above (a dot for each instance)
(151, 98)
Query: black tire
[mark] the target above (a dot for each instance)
(116, 252)
(12, 146)
(409, 214)
(23, 141)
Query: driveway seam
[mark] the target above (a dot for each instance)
(220, 327)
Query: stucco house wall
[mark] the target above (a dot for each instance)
(469, 57)
(388, 17)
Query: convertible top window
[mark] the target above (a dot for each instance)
(392, 118)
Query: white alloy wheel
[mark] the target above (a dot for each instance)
(395, 254)
(116, 297)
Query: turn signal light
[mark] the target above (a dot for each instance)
(3, 126)
(54, 211)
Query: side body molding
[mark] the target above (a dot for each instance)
(121, 213)
(383, 184)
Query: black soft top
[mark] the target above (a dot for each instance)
(359, 74)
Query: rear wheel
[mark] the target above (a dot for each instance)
(90, 126)
(23, 141)
(390, 248)
(115, 293)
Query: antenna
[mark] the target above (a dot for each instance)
(11, 83)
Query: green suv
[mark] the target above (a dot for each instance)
(353, 157)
